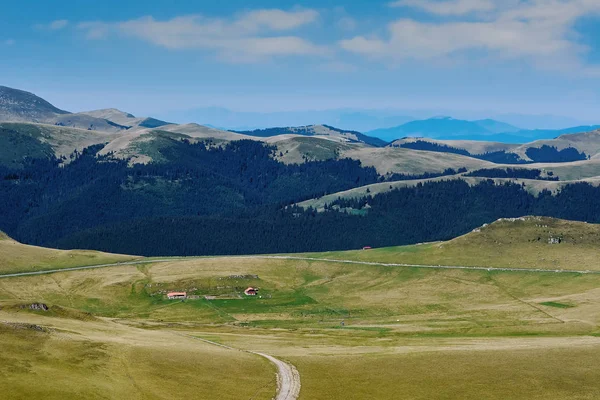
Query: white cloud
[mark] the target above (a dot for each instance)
(347, 23)
(275, 19)
(247, 37)
(540, 31)
(54, 25)
(59, 24)
(95, 29)
(338, 67)
(450, 7)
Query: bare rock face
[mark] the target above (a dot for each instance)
(36, 306)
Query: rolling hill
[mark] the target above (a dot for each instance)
(17, 257)
(20, 141)
(324, 131)
(524, 242)
(470, 147)
(125, 119)
(35, 128)
(20, 106)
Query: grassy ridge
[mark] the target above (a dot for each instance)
(16, 257)
(520, 243)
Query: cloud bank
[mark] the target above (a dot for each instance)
(540, 31)
(247, 37)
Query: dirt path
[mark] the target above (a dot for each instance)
(288, 377)
(329, 260)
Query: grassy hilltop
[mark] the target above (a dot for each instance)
(353, 331)
(528, 242)
(17, 257)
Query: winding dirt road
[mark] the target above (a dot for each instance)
(288, 377)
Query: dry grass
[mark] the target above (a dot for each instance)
(104, 360)
(17, 257)
(389, 160)
(544, 374)
(521, 243)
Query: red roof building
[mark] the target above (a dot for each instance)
(177, 295)
(251, 291)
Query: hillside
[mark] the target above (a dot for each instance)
(293, 145)
(125, 119)
(20, 106)
(398, 160)
(321, 131)
(473, 147)
(532, 186)
(19, 141)
(565, 148)
(527, 242)
(17, 257)
(584, 142)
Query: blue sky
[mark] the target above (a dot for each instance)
(155, 57)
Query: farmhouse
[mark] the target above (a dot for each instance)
(177, 295)
(251, 291)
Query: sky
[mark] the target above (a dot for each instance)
(465, 57)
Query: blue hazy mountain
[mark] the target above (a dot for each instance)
(439, 127)
(496, 126)
(347, 119)
(447, 128)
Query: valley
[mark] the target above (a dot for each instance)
(316, 200)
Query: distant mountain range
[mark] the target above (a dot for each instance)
(20, 106)
(106, 178)
(346, 119)
(316, 131)
(145, 139)
(448, 128)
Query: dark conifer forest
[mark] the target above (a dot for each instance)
(237, 199)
